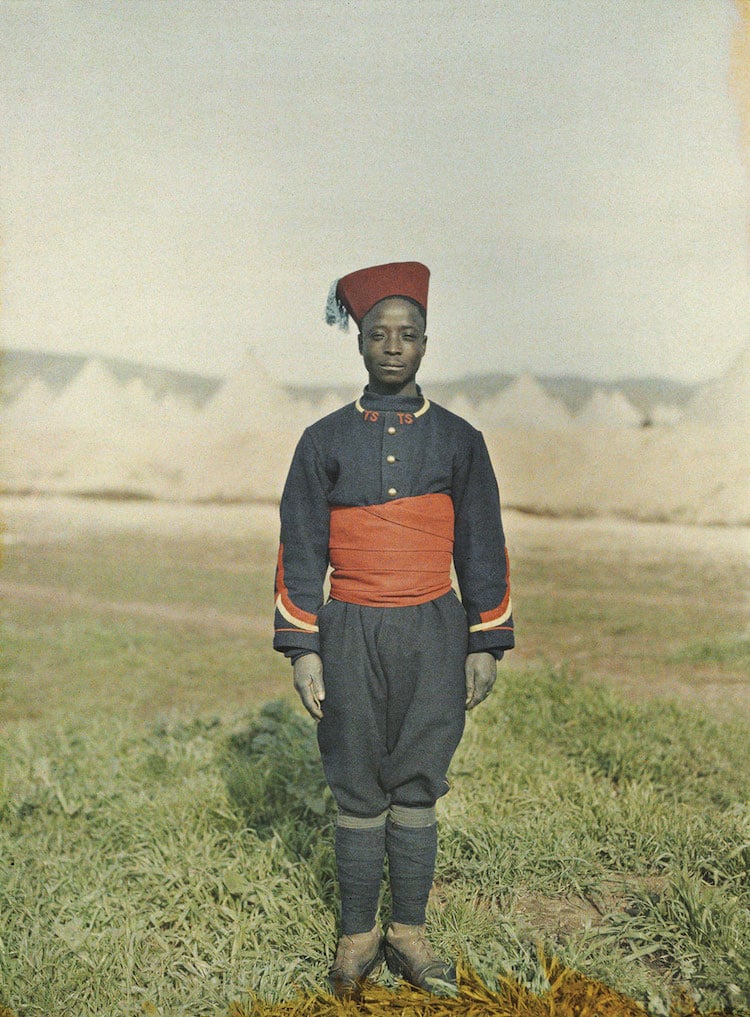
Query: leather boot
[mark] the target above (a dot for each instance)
(357, 957)
(409, 955)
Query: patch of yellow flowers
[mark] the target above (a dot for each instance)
(571, 994)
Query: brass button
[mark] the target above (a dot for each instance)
(391, 459)
(392, 491)
(391, 430)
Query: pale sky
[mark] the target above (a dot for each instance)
(181, 180)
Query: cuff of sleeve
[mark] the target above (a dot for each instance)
(294, 654)
(495, 643)
(296, 642)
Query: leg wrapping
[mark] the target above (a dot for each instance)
(412, 850)
(360, 855)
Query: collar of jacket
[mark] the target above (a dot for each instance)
(416, 405)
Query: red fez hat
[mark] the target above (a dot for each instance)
(357, 293)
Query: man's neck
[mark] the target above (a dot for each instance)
(409, 391)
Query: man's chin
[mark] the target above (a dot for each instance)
(393, 379)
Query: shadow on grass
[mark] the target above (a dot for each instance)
(275, 778)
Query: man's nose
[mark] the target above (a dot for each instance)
(393, 344)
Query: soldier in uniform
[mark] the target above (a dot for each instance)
(388, 492)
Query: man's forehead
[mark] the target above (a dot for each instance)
(391, 308)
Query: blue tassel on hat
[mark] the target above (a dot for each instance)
(336, 313)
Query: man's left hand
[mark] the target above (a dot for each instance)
(481, 672)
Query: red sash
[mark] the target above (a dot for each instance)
(394, 554)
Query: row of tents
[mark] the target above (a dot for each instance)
(96, 399)
(102, 436)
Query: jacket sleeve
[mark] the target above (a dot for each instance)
(303, 552)
(479, 552)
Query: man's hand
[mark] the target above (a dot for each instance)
(308, 681)
(481, 672)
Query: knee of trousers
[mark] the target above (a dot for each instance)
(408, 817)
(412, 818)
(347, 821)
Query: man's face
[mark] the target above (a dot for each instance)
(392, 343)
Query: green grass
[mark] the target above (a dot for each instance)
(616, 616)
(61, 662)
(641, 810)
(185, 865)
(220, 572)
(165, 839)
(638, 621)
(128, 875)
(731, 652)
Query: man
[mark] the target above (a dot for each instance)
(389, 491)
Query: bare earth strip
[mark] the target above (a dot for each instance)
(38, 519)
(196, 617)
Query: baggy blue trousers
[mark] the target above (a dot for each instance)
(394, 709)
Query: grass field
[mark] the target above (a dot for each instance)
(165, 832)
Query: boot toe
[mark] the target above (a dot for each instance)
(349, 973)
(436, 976)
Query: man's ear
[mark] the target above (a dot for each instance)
(359, 342)
(424, 343)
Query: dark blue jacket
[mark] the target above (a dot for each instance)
(372, 452)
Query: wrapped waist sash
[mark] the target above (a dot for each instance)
(394, 554)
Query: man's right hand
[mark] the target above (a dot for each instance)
(308, 681)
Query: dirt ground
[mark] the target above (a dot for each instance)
(42, 519)
(656, 609)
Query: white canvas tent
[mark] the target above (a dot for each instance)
(524, 403)
(724, 402)
(608, 409)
